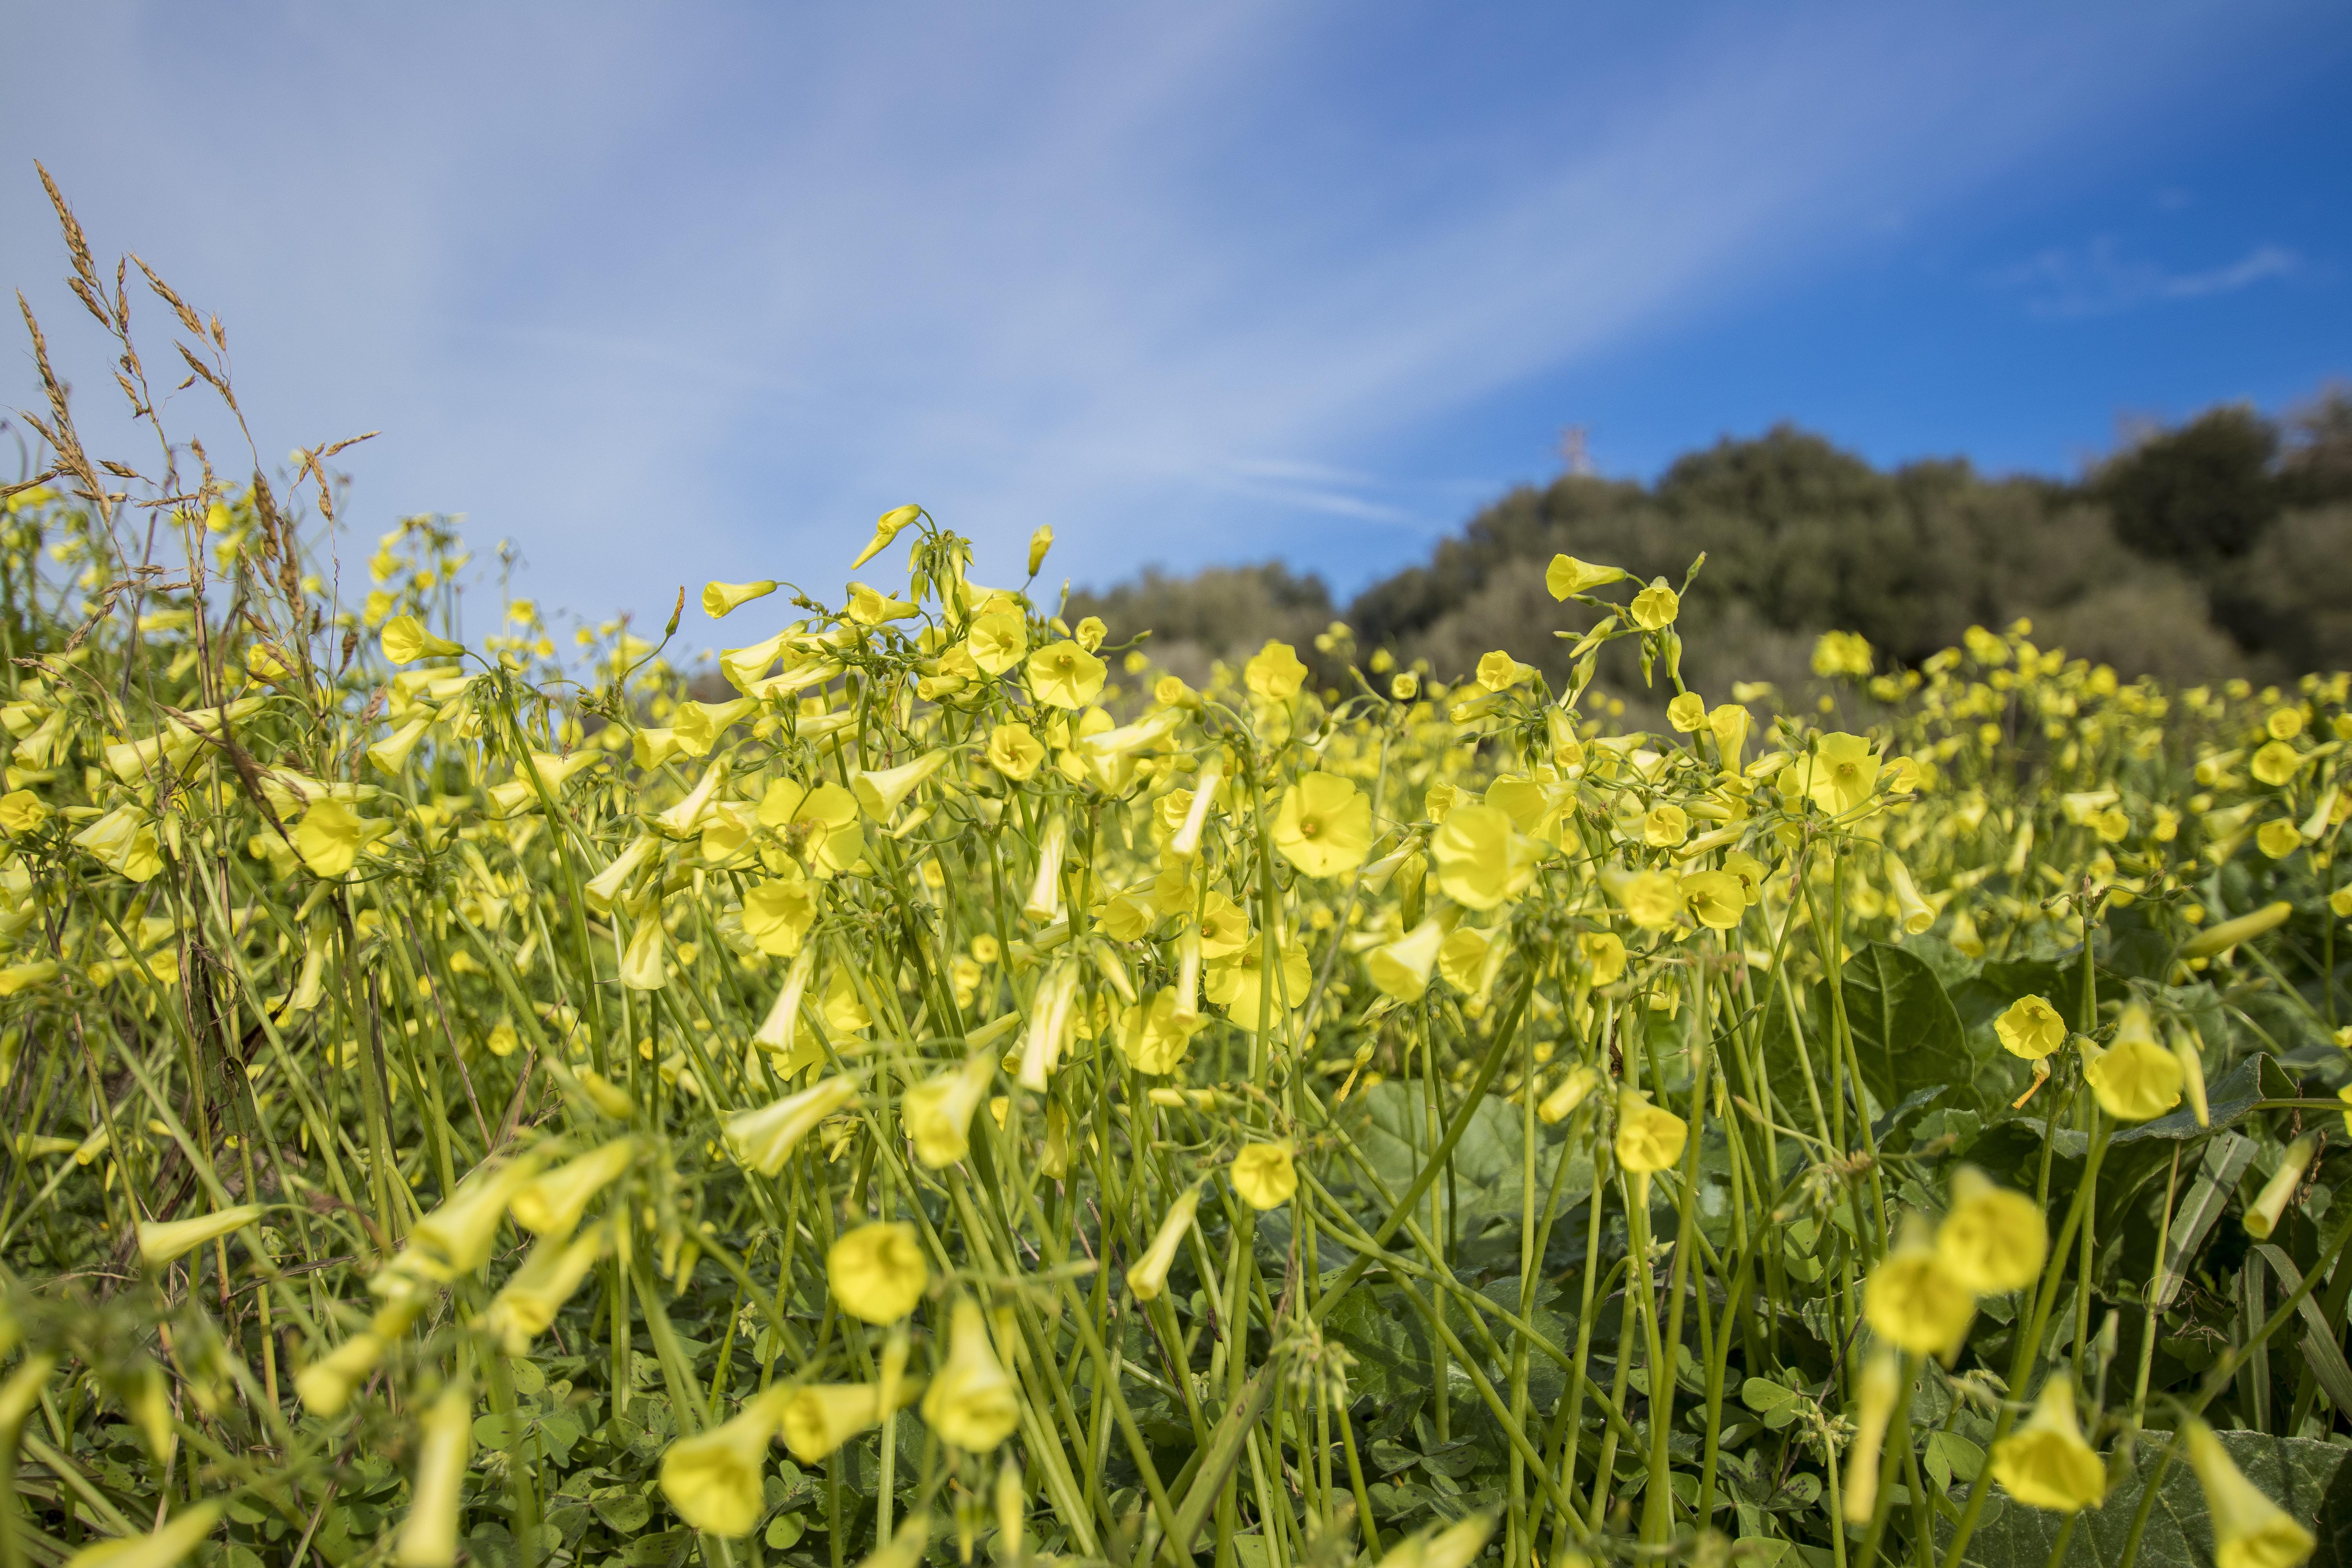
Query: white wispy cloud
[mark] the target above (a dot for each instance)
(2098, 279)
(697, 291)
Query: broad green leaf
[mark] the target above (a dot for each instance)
(1907, 1036)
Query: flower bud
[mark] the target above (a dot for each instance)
(1040, 543)
(938, 1111)
(973, 1403)
(1571, 1092)
(762, 1140)
(159, 1244)
(722, 599)
(1882, 1385)
(428, 1537)
(2230, 933)
(528, 1303)
(551, 1202)
(1148, 1276)
(2270, 1205)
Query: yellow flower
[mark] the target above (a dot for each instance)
(1717, 898)
(1665, 826)
(1845, 772)
(159, 1244)
(2345, 1094)
(2249, 1530)
(1728, 723)
(885, 529)
(22, 811)
(821, 1416)
(429, 1536)
(877, 1272)
(1235, 983)
(2270, 1205)
(1914, 1300)
(1651, 900)
(329, 838)
(326, 1385)
(160, 1548)
(820, 825)
(1655, 606)
(873, 607)
(391, 754)
(1325, 824)
(1649, 1138)
(124, 839)
(777, 915)
(1402, 968)
(938, 1111)
(2230, 933)
(405, 641)
(1688, 712)
(1994, 1238)
(1013, 751)
(1147, 1276)
(1443, 1546)
(1881, 1386)
(973, 1403)
(1064, 675)
(551, 1202)
(713, 1479)
(882, 791)
(1470, 959)
(2278, 839)
(997, 641)
(1498, 671)
(1040, 542)
(1155, 1040)
(2045, 1462)
(528, 1302)
(721, 600)
(645, 963)
(2134, 1081)
(1265, 1176)
(2030, 1029)
(460, 1235)
(1571, 1092)
(1567, 576)
(1913, 912)
(1273, 673)
(1842, 652)
(1603, 952)
(2275, 764)
(1483, 861)
(762, 1139)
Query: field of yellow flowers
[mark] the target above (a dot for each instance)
(964, 1093)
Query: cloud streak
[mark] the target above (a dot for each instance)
(2099, 280)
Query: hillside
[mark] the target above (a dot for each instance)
(2221, 546)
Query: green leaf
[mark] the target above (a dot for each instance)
(499, 1431)
(784, 1529)
(2307, 1477)
(622, 1509)
(1907, 1035)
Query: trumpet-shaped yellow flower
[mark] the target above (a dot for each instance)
(1715, 899)
(159, 1244)
(1688, 713)
(1651, 900)
(1064, 675)
(1914, 1300)
(1603, 952)
(1994, 1238)
(2030, 1029)
(763, 1139)
(1568, 1094)
(1470, 959)
(1264, 1176)
(551, 1202)
(1402, 968)
(2230, 933)
(1013, 751)
(645, 963)
(713, 1479)
(877, 1272)
(997, 641)
(2134, 1081)
(721, 600)
(2045, 1462)
(22, 811)
(818, 826)
(326, 1386)
(1159, 1033)
(1881, 1387)
(405, 641)
(820, 1418)
(938, 1111)
(329, 838)
(1649, 1138)
(1238, 983)
(389, 755)
(2275, 764)
(1443, 1546)
(1665, 826)
(2249, 1530)
(1483, 861)
(1147, 1276)
(124, 839)
(1567, 576)
(1273, 673)
(527, 1304)
(1845, 772)
(886, 528)
(1498, 671)
(459, 1236)
(1655, 606)
(429, 1536)
(881, 792)
(974, 1402)
(1325, 824)
(777, 915)
(2269, 1207)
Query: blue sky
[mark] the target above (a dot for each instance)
(663, 293)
